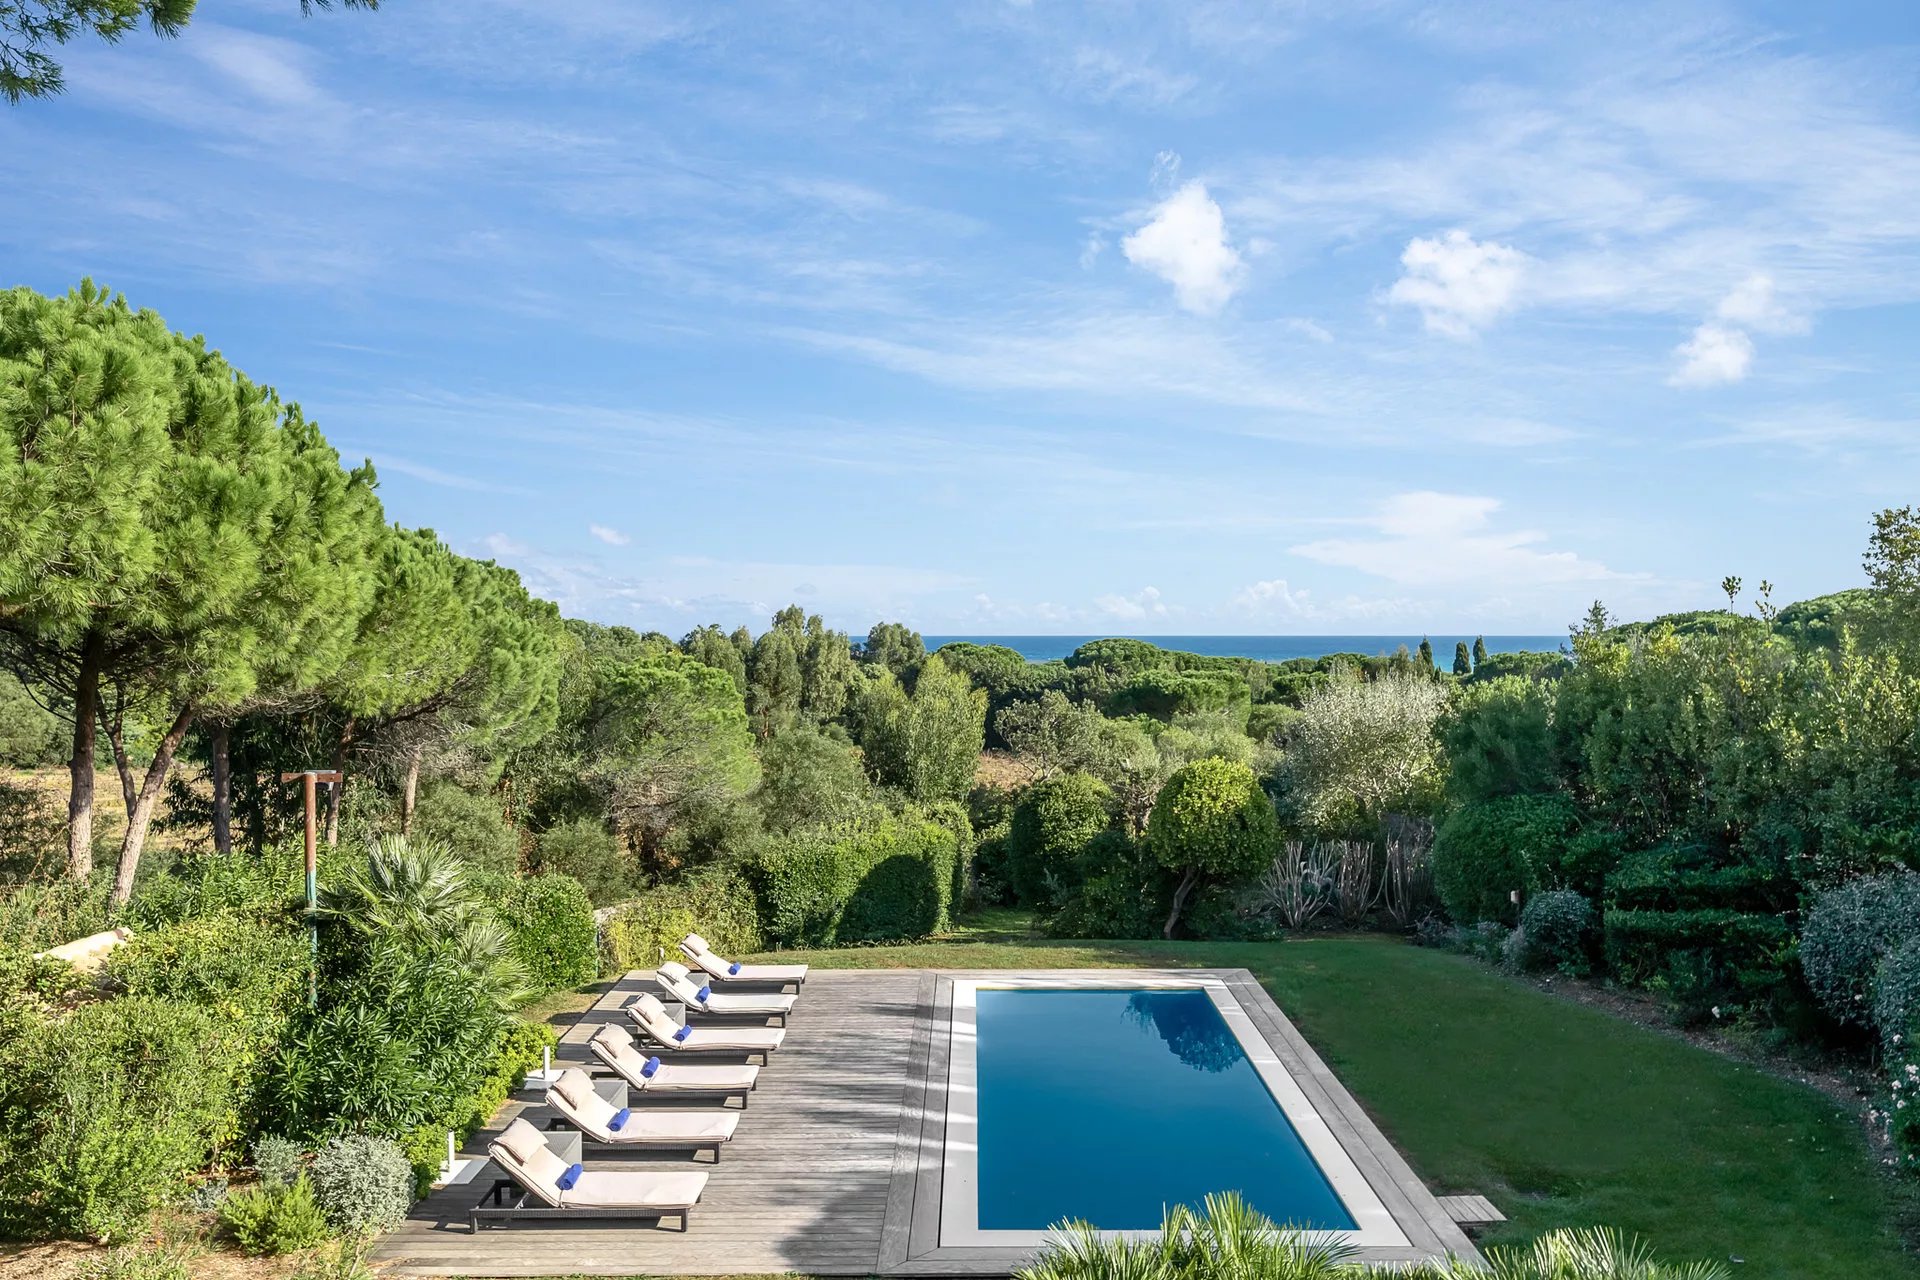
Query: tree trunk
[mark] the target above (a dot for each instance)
(117, 739)
(86, 697)
(334, 791)
(136, 837)
(221, 751)
(410, 791)
(1180, 900)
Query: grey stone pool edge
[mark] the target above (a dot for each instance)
(910, 1232)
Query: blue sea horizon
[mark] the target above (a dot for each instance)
(1263, 648)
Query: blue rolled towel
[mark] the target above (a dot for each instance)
(683, 1033)
(566, 1180)
(619, 1118)
(649, 1067)
(703, 993)
(734, 967)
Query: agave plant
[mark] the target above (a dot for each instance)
(1596, 1253)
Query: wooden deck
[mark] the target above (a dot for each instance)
(836, 1168)
(802, 1187)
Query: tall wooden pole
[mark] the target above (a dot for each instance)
(311, 778)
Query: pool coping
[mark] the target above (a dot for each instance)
(911, 1235)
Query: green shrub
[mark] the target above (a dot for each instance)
(30, 735)
(1051, 825)
(471, 824)
(363, 1184)
(1848, 931)
(1485, 851)
(399, 1041)
(587, 851)
(136, 1262)
(1269, 721)
(886, 881)
(32, 832)
(1896, 998)
(1122, 892)
(250, 974)
(990, 812)
(554, 935)
(105, 1111)
(278, 1160)
(715, 902)
(1557, 931)
(518, 1052)
(274, 1219)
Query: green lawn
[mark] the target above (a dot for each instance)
(1562, 1115)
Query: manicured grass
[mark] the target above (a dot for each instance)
(1561, 1114)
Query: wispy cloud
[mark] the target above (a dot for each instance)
(1440, 539)
(611, 536)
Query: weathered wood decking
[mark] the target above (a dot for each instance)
(837, 1164)
(802, 1187)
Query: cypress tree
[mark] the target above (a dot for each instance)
(1426, 653)
(1479, 650)
(1462, 665)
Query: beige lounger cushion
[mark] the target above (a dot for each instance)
(716, 967)
(674, 978)
(695, 943)
(525, 1156)
(575, 1086)
(633, 1189)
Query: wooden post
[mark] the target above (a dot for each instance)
(311, 779)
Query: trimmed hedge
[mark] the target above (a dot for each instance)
(715, 902)
(1702, 960)
(1848, 931)
(889, 881)
(554, 935)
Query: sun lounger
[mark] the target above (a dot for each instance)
(679, 985)
(575, 1099)
(676, 1041)
(614, 1047)
(534, 1174)
(728, 973)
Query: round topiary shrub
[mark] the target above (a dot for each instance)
(1557, 931)
(363, 1184)
(1212, 824)
(1847, 933)
(1052, 824)
(1486, 850)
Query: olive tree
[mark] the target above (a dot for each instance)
(1361, 750)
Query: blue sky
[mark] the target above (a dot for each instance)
(1002, 317)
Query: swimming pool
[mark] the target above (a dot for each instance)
(1107, 1103)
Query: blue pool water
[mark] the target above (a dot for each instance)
(1110, 1105)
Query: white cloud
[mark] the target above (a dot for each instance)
(1142, 604)
(1751, 305)
(266, 67)
(1271, 596)
(1461, 285)
(1185, 244)
(1444, 539)
(1715, 354)
(612, 537)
